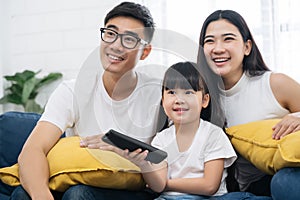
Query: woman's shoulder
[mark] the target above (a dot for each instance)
(282, 82)
(277, 79)
(274, 77)
(285, 89)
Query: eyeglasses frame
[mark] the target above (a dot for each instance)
(139, 40)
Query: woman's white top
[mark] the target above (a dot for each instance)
(251, 99)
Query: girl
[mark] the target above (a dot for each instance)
(198, 151)
(252, 92)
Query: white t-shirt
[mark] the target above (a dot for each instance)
(86, 108)
(251, 99)
(210, 143)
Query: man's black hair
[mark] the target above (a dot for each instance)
(136, 11)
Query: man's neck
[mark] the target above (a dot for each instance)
(119, 87)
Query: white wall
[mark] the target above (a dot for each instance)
(58, 35)
(52, 35)
(3, 38)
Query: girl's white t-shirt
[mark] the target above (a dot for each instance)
(210, 143)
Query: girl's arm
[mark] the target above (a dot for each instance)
(287, 92)
(207, 185)
(155, 175)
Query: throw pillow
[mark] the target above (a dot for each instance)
(254, 142)
(69, 164)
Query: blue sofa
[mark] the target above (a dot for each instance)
(15, 127)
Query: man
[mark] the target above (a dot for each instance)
(120, 99)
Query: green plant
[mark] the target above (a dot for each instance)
(25, 87)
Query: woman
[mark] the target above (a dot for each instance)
(252, 92)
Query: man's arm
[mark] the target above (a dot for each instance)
(33, 164)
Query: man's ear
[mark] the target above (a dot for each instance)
(146, 51)
(205, 100)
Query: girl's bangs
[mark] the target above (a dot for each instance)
(174, 79)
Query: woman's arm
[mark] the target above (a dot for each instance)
(287, 92)
(207, 185)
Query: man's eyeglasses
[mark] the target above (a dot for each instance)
(127, 40)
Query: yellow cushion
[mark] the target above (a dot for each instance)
(70, 164)
(254, 142)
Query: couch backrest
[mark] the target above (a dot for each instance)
(15, 127)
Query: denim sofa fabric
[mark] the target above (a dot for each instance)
(15, 127)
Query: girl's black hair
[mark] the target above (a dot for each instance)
(187, 75)
(184, 75)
